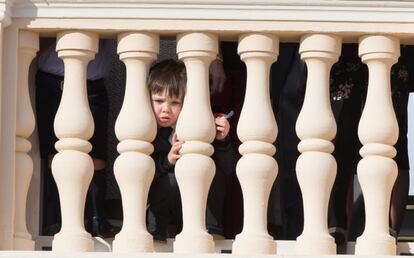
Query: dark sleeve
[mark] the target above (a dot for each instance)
(224, 156)
(160, 156)
(163, 166)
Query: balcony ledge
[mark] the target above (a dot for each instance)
(264, 10)
(103, 249)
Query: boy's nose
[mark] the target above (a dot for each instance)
(165, 108)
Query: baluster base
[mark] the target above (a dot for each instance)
(81, 242)
(379, 245)
(193, 243)
(256, 244)
(23, 243)
(315, 245)
(133, 242)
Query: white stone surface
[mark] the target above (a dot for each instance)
(289, 19)
(304, 10)
(28, 46)
(102, 246)
(316, 128)
(257, 130)
(135, 128)
(378, 132)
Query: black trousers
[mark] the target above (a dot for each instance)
(48, 96)
(165, 205)
(287, 90)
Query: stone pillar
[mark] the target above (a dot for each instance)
(316, 128)
(257, 130)
(25, 124)
(378, 132)
(9, 42)
(195, 169)
(135, 128)
(72, 167)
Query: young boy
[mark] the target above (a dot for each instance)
(167, 85)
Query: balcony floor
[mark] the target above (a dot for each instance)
(223, 247)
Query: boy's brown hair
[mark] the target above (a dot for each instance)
(168, 75)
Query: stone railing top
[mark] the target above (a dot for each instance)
(282, 10)
(5, 12)
(349, 19)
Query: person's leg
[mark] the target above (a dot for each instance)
(97, 223)
(48, 95)
(402, 75)
(51, 203)
(346, 101)
(399, 199)
(346, 149)
(338, 205)
(162, 205)
(215, 206)
(288, 85)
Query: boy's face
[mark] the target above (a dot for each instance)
(166, 109)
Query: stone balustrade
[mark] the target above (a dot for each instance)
(257, 169)
(257, 129)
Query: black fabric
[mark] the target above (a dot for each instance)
(51, 220)
(96, 222)
(348, 77)
(96, 195)
(164, 196)
(288, 85)
(349, 82)
(48, 96)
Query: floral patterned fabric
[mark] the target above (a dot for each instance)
(349, 80)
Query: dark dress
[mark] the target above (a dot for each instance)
(349, 81)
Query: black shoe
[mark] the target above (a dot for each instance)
(215, 230)
(160, 238)
(394, 234)
(97, 224)
(339, 236)
(101, 227)
(158, 231)
(53, 229)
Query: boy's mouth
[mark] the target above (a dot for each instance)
(164, 119)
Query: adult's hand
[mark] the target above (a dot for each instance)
(217, 77)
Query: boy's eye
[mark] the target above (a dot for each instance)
(176, 103)
(157, 100)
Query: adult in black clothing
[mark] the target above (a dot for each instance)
(288, 87)
(349, 81)
(348, 84)
(49, 88)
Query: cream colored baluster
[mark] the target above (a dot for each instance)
(257, 130)
(72, 167)
(195, 169)
(316, 127)
(28, 46)
(378, 132)
(136, 129)
(9, 45)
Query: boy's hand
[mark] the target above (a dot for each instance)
(222, 127)
(174, 153)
